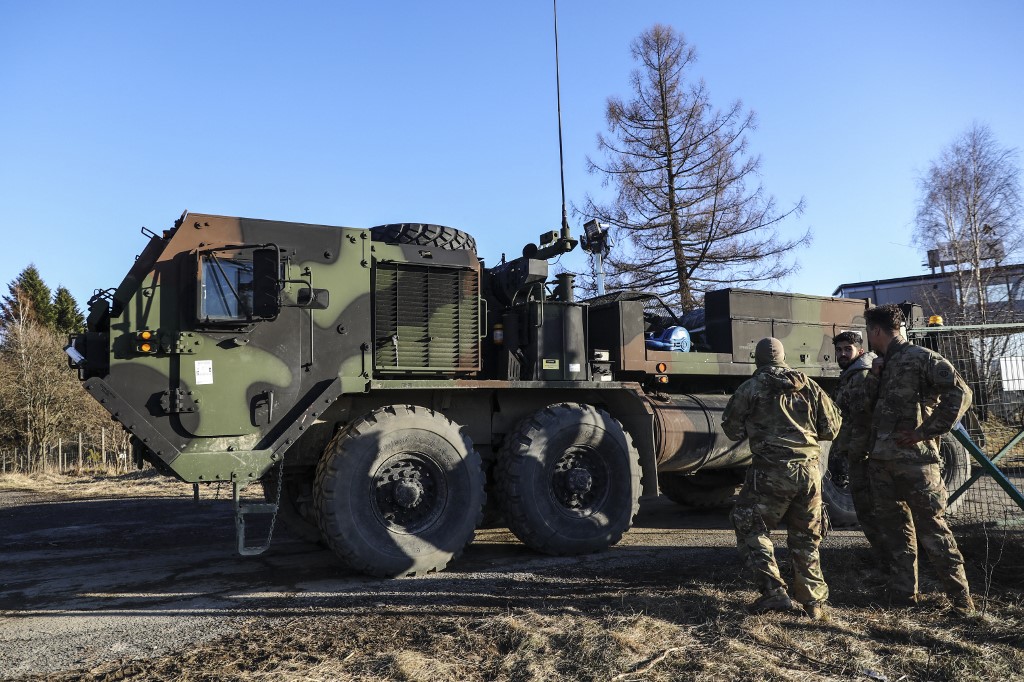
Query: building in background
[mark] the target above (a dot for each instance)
(939, 293)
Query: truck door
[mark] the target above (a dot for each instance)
(241, 362)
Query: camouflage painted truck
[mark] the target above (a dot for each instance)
(390, 392)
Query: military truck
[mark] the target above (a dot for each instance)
(391, 393)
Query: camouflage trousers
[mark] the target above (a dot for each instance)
(790, 493)
(910, 507)
(864, 504)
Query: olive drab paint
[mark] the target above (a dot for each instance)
(234, 344)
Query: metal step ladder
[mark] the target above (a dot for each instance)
(249, 509)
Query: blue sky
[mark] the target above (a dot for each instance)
(118, 115)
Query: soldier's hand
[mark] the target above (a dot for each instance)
(876, 366)
(907, 438)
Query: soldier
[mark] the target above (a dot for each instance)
(918, 396)
(850, 447)
(783, 413)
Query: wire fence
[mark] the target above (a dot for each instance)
(991, 359)
(80, 453)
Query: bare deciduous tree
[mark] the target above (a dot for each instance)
(970, 201)
(970, 213)
(687, 212)
(41, 399)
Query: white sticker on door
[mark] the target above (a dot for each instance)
(204, 372)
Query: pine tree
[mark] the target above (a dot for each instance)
(67, 318)
(27, 300)
(688, 209)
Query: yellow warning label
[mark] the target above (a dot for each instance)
(549, 364)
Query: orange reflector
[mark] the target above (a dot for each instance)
(146, 348)
(661, 379)
(662, 367)
(146, 335)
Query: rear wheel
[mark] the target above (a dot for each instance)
(835, 493)
(569, 480)
(704, 489)
(399, 492)
(954, 463)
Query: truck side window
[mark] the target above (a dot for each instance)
(226, 293)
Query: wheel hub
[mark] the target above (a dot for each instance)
(408, 493)
(579, 481)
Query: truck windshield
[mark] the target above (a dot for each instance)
(226, 289)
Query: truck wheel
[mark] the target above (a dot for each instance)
(704, 489)
(424, 234)
(835, 495)
(955, 465)
(296, 510)
(399, 492)
(569, 480)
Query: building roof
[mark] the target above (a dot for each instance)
(928, 277)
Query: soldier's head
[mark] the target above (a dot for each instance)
(769, 351)
(849, 347)
(883, 325)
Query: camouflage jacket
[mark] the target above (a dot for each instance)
(783, 413)
(855, 432)
(918, 389)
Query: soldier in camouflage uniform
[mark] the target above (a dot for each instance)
(918, 396)
(783, 413)
(851, 445)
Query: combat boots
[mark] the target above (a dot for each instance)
(963, 605)
(817, 611)
(775, 600)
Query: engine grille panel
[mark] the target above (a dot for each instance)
(426, 319)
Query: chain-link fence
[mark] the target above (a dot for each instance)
(991, 360)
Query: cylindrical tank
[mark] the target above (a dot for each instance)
(688, 434)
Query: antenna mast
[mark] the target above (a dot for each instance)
(558, 95)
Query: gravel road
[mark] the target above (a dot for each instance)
(86, 581)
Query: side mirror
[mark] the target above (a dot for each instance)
(266, 286)
(313, 299)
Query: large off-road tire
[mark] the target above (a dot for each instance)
(955, 465)
(835, 497)
(569, 480)
(705, 489)
(399, 492)
(424, 234)
(296, 511)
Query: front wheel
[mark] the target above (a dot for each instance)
(399, 492)
(569, 480)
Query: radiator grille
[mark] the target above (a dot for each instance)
(426, 319)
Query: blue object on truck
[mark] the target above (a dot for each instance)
(673, 338)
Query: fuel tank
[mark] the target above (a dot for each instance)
(688, 433)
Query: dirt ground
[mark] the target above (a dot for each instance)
(130, 579)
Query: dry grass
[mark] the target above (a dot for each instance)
(145, 483)
(666, 623)
(653, 623)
